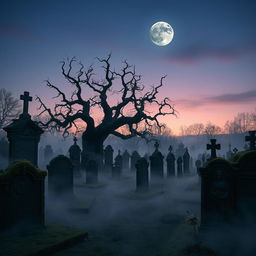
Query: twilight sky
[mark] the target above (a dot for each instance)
(210, 64)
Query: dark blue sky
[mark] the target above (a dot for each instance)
(212, 56)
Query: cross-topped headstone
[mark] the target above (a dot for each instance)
(26, 99)
(75, 140)
(156, 145)
(252, 139)
(213, 147)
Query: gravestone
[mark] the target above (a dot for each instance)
(229, 152)
(117, 168)
(213, 147)
(252, 139)
(108, 158)
(23, 135)
(60, 177)
(198, 164)
(246, 176)
(156, 163)
(186, 162)
(170, 161)
(4, 150)
(21, 197)
(179, 167)
(48, 153)
(91, 168)
(218, 193)
(134, 158)
(126, 160)
(142, 175)
(75, 157)
(235, 150)
(180, 150)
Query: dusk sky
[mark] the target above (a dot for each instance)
(210, 64)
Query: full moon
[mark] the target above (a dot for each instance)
(161, 33)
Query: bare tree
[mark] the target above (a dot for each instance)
(9, 107)
(134, 108)
(242, 123)
(193, 129)
(211, 130)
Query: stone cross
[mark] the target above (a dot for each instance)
(75, 140)
(213, 146)
(252, 139)
(26, 98)
(235, 150)
(156, 145)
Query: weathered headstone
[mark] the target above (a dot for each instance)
(198, 164)
(142, 175)
(213, 147)
(186, 162)
(179, 167)
(117, 168)
(170, 161)
(21, 197)
(48, 153)
(23, 135)
(108, 158)
(156, 163)
(252, 139)
(134, 158)
(229, 152)
(60, 177)
(91, 168)
(75, 157)
(218, 193)
(126, 160)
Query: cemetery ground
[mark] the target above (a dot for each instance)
(118, 224)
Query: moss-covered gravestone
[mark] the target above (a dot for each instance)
(218, 193)
(60, 177)
(21, 197)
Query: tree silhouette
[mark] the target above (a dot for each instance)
(9, 107)
(136, 109)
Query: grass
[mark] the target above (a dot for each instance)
(42, 242)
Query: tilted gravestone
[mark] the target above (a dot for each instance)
(126, 160)
(75, 157)
(179, 167)
(48, 153)
(142, 175)
(91, 168)
(134, 158)
(108, 158)
(170, 161)
(21, 197)
(218, 193)
(156, 163)
(213, 147)
(60, 177)
(23, 135)
(117, 168)
(186, 162)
